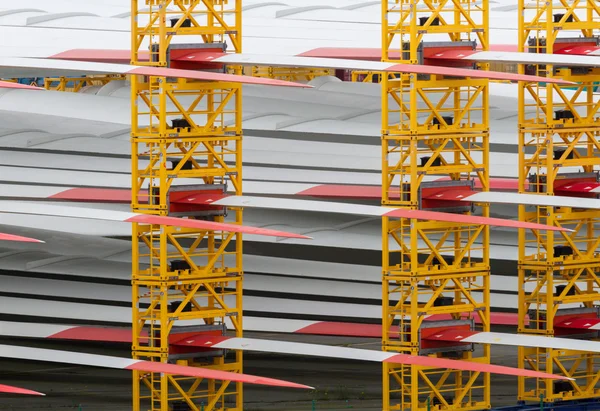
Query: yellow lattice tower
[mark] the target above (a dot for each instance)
(432, 125)
(558, 141)
(184, 280)
(76, 84)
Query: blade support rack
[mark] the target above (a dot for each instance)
(559, 154)
(433, 125)
(186, 129)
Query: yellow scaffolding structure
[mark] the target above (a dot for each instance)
(184, 280)
(290, 73)
(432, 125)
(76, 84)
(362, 76)
(558, 143)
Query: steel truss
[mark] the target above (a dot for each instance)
(558, 141)
(156, 22)
(296, 74)
(432, 125)
(185, 280)
(76, 84)
(361, 76)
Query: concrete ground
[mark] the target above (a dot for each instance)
(339, 385)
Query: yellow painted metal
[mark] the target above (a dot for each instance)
(298, 74)
(205, 145)
(360, 76)
(205, 21)
(76, 84)
(426, 260)
(407, 22)
(290, 73)
(550, 283)
(370, 76)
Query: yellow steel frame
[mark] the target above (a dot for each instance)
(541, 133)
(208, 148)
(460, 20)
(62, 83)
(290, 73)
(210, 21)
(366, 76)
(414, 111)
(369, 76)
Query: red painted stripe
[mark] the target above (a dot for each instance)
(467, 219)
(118, 195)
(208, 76)
(374, 330)
(123, 335)
(124, 56)
(197, 197)
(467, 366)
(450, 335)
(198, 340)
(374, 192)
(453, 54)
(495, 318)
(445, 194)
(345, 191)
(99, 55)
(209, 225)
(374, 54)
(124, 196)
(10, 237)
(582, 187)
(436, 363)
(578, 323)
(115, 335)
(158, 367)
(197, 56)
(578, 50)
(16, 390)
(10, 84)
(496, 183)
(342, 329)
(107, 195)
